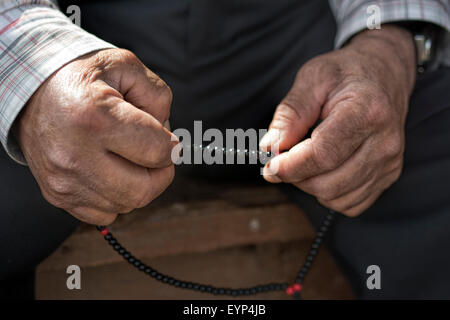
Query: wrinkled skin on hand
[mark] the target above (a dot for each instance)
(361, 94)
(94, 138)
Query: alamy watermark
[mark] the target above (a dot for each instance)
(374, 280)
(74, 279)
(75, 14)
(213, 146)
(374, 17)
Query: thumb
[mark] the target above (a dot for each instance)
(150, 94)
(139, 85)
(300, 109)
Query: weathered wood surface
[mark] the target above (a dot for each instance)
(192, 217)
(199, 231)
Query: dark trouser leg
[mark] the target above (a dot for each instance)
(30, 229)
(230, 63)
(407, 231)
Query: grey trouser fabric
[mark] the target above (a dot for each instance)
(229, 63)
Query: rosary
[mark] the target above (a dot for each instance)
(293, 289)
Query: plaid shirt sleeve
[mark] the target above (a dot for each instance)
(35, 41)
(352, 16)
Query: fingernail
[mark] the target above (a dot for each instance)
(174, 138)
(270, 138)
(176, 148)
(176, 153)
(270, 171)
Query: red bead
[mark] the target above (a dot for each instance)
(297, 287)
(104, 232)
(290, 291)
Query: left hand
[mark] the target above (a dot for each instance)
(361, 93)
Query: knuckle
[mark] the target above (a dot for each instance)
(65, 160)
(139, 198)
(170, 175)
(285, 115)
(61, 159)
(326, 155)
(312, 67)
(335, 205)
(112, 206)
(353, 212)
(160, 155)
(397, 173)
(58, 185)
(92, 216)
(323, 67)
(372, 105)
(156, 158)
(325, 203)
(127, 57)
(339, 207)
(87, 119)
(291, 101)
(125, 210)
(328, 193)
(103, 219)
(91, 112)
(309, 186)
(152, 190)
(282, 173)
(396, 166)
(163, 98)
(316, 188)
(394, 146)
(145, 199)
(165, 93)
(379, 112)
(396, 176)
(359, 122)
(52, 199)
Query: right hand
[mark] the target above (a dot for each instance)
(94, 136)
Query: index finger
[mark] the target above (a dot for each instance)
(138, 137)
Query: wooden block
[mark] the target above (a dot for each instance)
(214, 218)
(223, 234)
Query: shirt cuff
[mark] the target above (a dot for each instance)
(352, 16)
(35, 41)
